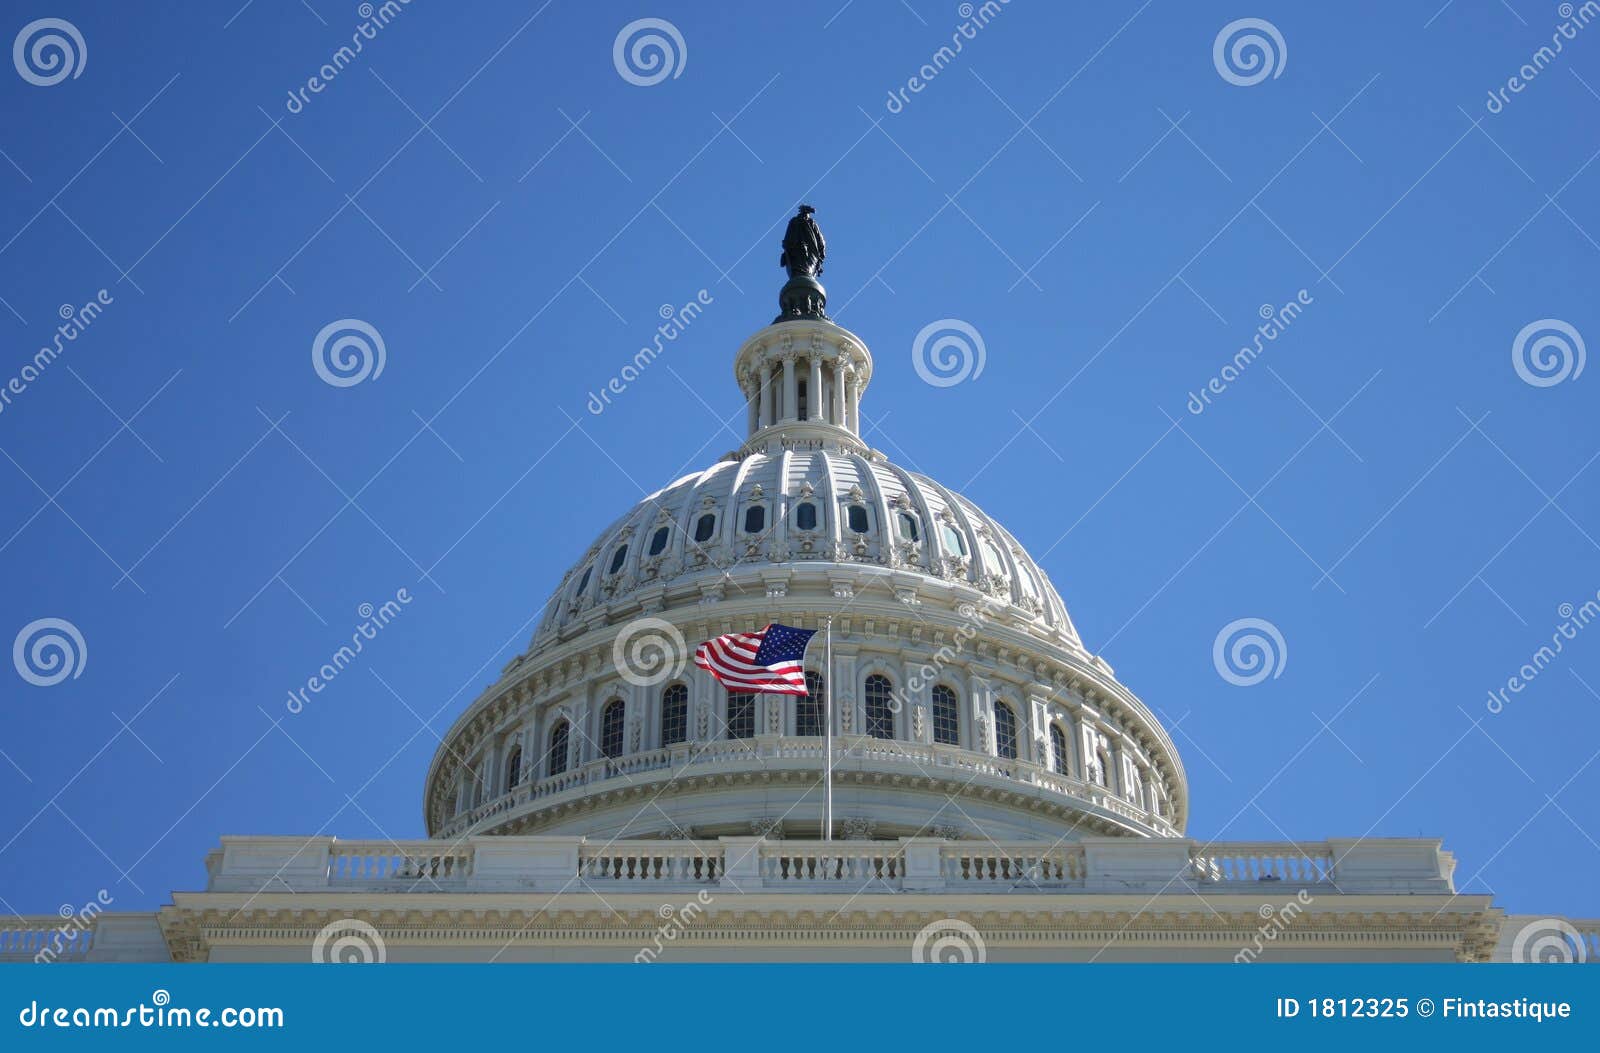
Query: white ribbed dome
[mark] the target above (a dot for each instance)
(806, 506)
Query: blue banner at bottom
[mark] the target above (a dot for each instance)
(718, 1006)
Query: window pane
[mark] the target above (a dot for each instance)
(704, 528)
(755, 519)
(583, 582)
(946, 716)
(805, 516)
(1058, 749)
(1005, 731)
(513, 769)
(908, 527)
(658, 541)
(858, 519)
(616, 560)
(741, 716)
(880, 718)
(674, 714)
(556, 758)
(611, 728)
(953, 542)
(810, 708)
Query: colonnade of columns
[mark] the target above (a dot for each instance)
(832, 392)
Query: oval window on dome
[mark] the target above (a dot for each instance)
(992, 560)
(857, 518)
(805, 516)
(953, 541)
(617, 558)
(908, 527)
(755, 519)
(704, 527)
(658, 540)
(583, 582)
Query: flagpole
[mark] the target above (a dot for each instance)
(827, 695)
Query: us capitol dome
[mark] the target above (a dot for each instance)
(964, 702)
(997, 793)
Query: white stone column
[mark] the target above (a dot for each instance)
(753, 414)
(766, 394)
(980, 716)
(814, 389)
(853, 405)
(791, 389)
(838, 392)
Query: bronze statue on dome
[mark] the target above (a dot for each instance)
(804, 249)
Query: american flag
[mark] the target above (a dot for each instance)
(769, 661)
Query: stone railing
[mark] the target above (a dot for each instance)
(967, 767)
(44, 938)
(753, 864)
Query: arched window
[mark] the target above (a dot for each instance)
(946, 716)
(1103, 764)
(513, 769)
(1059, 757)
(704, 527)
(908, 527)
(992, 560)
(583, 582)
(741, 716)
(674, 714)
(556, 756)
(658, 540)
(856, 517)
(755, 519)
(805, 516)
(811, 708)
(1005, 732)
(880, 717)
(953, 541)
(617, 558)
(612, 721)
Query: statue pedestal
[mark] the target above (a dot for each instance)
(802, 296)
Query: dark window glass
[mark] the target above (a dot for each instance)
(1103, 776)
(583, 582)
(880, 718)
(1058, 749)
(805, 516)
(674, 714)
(556, 757)
(658, 540)
(741, 716)
(755, 519)
(946, 716)
(858, 519)
(612, 719)
(805, 409)
(1005, 731)
(810, 708)
(704, 527)
(908, 527)
(616, 560)
(513, 769)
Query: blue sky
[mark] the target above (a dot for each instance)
(1081, 185)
